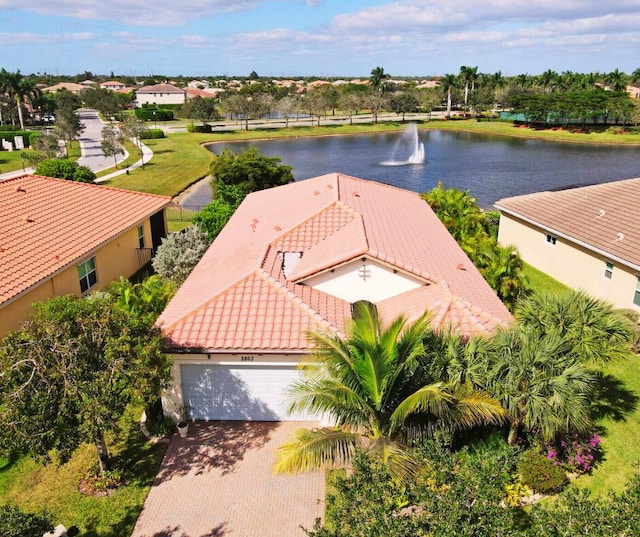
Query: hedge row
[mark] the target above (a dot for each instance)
(9, 136)
(148, 114)
(150, 134)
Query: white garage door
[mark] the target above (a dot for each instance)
(238, 392)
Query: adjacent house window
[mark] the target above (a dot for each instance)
(141, 236)
(608, 270)
(636, 295)
(87, 274)
(551, 239)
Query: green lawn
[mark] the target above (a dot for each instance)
(541, 282)
(619, 408)
(34, 486)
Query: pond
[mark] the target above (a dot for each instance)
(490, 167)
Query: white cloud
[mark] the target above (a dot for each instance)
(7, 38)
(134, 12)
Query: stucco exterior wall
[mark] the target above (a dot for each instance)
(570, 263)
(160, 98)
(116, 258)
(363, 280)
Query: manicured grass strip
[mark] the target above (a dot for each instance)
(178, 161)
(599, 135)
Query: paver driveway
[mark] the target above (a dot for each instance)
(219, 481)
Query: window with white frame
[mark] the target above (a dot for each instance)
(551, 239)
(87, 274)
(636, 295)
(141, 236)
(608, 270)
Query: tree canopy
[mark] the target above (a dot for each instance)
(63, 168)
(67, 376)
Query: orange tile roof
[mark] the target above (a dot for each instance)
(237, 297)
(601, 217)
(48, 224)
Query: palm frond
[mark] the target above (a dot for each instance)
(397, 457)
(315, 449)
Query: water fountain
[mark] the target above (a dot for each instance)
(408, 149)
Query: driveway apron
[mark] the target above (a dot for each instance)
(219, 481)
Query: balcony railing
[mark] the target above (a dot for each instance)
(144, 256)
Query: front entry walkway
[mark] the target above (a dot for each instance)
(219, 481)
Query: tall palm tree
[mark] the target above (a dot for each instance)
(448, 83)
(635, 76)
(379, 386)
(378, 78)
(468, 75)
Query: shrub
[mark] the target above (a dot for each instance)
(84, 174)
(99, 484)
(151, 134)
(179, 253)
(634, 319)
(63, 168)
(206, 128)
(17, 523)
(574, 453)
(540, 473)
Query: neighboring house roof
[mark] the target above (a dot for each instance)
(161, 88)
(238, 298)
(603, 218)
(192, 93)
(112, 84)
(69, 86)
(48, 224)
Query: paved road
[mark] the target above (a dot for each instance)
(90, 143)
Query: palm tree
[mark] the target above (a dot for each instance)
(378, 78)
(468, 75)
(379, 387)
(548, 80)
(540, 370)
(542, 386)
(448, 82)
(592, 328)
(18, 88)
(635, 76)
(617, 80)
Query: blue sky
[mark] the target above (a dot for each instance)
(344, 38)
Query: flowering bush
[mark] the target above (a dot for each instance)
(575, 453)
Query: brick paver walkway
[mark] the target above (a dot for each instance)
(219, 481)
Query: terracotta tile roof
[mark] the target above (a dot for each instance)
(238, 298)
(48, 224)
(602, 217)
(161, 88)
